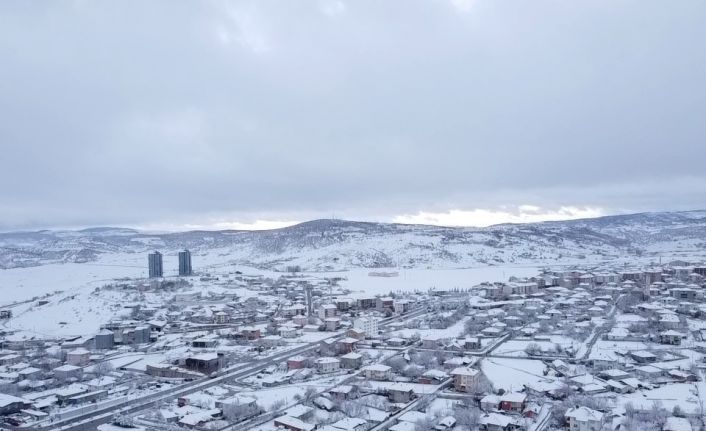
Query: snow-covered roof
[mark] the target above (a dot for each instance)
(464, 371)
(584, 414)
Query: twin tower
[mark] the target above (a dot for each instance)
(156, 269)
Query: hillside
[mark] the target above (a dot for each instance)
(339, 244)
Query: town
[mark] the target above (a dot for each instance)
(601, 347)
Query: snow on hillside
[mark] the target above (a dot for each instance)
(329, 245)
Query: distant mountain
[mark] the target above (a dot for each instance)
(340, 244)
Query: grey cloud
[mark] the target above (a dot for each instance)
(134, 112)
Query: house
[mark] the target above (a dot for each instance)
(324, 404)
(433, 377)
(250, 333)
(198, 419)
(220, 318)
(648, 371)
(327, 310)
(296, 363)
(288, 331)
(614, 374)
(293, 424)
(682, 376)
(87, 397)
(293, 310)
(619, 387)
(669, 321)
(78, 357)
(342, 392)
(358, 334)
(445, 423)
(332, 323)
(465, 378)
(472, 343)
(513, 402)
(351, 360)
(328, 365)
(347, 345)
(396, 342)
(377, 372)
(206, 363)
(30, 373)
(431, 341)
(351, 424)
(366, 303)
(671, 337)
(344, 304)
(498, 422)
(584, 419)
(10, 359)
(400, 393)
(10, 404)
(204, 343)
(385, 303)
(402, 306)
(490, 402)
(66, 372)
(457, 361)
(643, 356)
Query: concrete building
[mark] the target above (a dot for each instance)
(328, 365)
(105, 339)
(185, 263)
(206, 363)
(465, 378)
(154, 261)
(78, 357)
(369, 325)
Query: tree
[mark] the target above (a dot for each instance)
(277, 405)
(103, 368)
(533, 349)
(397, 363)
(124, 421)
(425, 424)
(309, 395)
(353, 409)
(238, 412)
(467, 417)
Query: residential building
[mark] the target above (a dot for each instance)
(584, 419)
(465, 378)
(369, 325)
(154, 261)
(185, 263)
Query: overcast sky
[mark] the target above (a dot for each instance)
(216, 114)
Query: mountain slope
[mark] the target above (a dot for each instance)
(339, 244)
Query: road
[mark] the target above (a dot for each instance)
(90, 420)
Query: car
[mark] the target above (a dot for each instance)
(13, 421)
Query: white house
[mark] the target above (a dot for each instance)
(584, 419)
(328, 365)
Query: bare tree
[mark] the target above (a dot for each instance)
(103, 368)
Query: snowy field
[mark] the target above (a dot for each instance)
(410, 280)
(513, 374)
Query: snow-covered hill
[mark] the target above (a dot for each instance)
(338, 244)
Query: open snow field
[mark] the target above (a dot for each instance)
(513, 374)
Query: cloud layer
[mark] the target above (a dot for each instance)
(210, 113)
